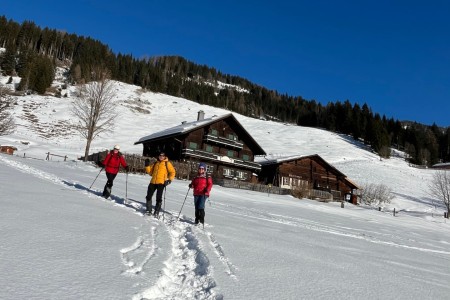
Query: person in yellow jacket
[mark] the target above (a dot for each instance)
(162, 172)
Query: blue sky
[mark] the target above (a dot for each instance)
(392, 55)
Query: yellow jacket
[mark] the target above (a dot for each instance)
(159, 172)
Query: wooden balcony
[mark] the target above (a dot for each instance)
(237, 162)
(223, 141)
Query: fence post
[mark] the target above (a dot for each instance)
(65, 157)
(446, 215)
(48, 156)
(394, 211)
(379, 208)
(342, 204)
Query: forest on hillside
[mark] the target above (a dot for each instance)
(33, 53)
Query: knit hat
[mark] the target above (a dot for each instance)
(117, 147)
(202, 165)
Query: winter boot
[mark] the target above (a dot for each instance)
(107, 191)
(201, 216)
(148, 207)
(196, 216)
(157, 209)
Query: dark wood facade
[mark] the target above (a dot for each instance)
(221, 142)
(309, 172)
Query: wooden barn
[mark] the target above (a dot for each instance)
(220, 141)
(8, 149)
(311, 173)
(441, 166)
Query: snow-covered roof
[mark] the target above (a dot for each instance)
(441, 165)
(191, 126)
(264, 161)
(182, 128)
(268, 160)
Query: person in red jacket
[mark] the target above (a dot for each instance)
(201, 186)
(112, 162)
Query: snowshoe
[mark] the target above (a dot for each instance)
(107, 192)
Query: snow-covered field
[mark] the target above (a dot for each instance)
(61, 240)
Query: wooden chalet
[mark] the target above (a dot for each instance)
(220, 141)
(311, 173)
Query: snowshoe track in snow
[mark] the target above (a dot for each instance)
(187, 273)
(137, 255)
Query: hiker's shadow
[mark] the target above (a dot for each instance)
(131, 203)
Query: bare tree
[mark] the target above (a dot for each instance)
(376, 194)
(7, 124)
(440, 187)
(94, 108)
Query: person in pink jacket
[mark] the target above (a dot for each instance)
(201, 185)
(112, 162)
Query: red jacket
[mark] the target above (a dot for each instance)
(113, 161)
(201, 185)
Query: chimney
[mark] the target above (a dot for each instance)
(201, 115)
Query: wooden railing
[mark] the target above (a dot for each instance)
(252, 187)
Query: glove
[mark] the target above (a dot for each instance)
(167, 182)
(147, 162)
(127, 168)
(190, 185)
(205, 190)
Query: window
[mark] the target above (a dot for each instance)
(245, 157)
(286, 181)
(209, 148)
(241, 175)
(232, 137)
(303, 183)
(230, 153)
(214, 132)
(227, 172)
(192, 145)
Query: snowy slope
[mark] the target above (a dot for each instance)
(60, 240)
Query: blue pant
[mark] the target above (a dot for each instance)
(199, 201)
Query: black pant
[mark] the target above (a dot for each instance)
(110, 177)
(159, 188)
(109, 184)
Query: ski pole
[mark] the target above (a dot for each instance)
(126, 189)
(183, 204)
(164, 204)
(96, 178)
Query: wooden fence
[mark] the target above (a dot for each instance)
(50, 155)
(136, 163)
(252, 186)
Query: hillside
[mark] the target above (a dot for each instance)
(61, 240)
(44, 125)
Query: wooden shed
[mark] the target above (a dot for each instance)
(310, 172)
(220, 141)
(8, 149)
(441, 166)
